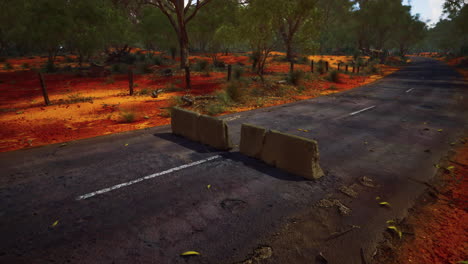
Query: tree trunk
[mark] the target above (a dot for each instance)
(44, 89)
(187, 78)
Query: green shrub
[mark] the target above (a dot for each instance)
(159, 60)
(303, 60)
(78, 98)
(119, 68)
(223, 97)
(215, 108)
(301, 88)
(219, 64)
(129, 58)
(7, 66)
(321, 67)
(233, 90)
(201, 66)
(296, 77)
(237, 72)
(68, 59)
(333, 76)
(127, 116)
(144, 91)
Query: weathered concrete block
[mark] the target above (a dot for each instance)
(184, 123)
(296, 155)
(213, 132)
(251, 142)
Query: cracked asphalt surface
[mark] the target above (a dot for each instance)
(418, 112)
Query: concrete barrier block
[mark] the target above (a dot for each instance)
(251, 142)
(213, 132)
(296, 155)
(184, 123)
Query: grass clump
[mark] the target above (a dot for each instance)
(7, 66)
(296, 77)
(215, 108)
(237, 72)
(201, 66)
(234, 91)
(333, 76)
(127, 116)
(78, 98)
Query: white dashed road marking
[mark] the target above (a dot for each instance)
(125, 184)
(362, 110)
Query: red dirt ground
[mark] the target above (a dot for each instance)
(441, 228)
(26, 122)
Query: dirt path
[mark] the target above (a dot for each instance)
(436, 230)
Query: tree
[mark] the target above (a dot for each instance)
(48, 26)
(258, 28)
(179, 15)
(96, 24)
(290, 18)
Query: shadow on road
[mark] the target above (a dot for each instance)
(232, 155)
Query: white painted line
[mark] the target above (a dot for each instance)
(409, 90)
(362, 110)
(125, 184)
(232, 118)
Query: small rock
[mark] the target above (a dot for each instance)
(348, 191)
(366, 181)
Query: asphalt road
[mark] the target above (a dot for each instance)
(44, 218)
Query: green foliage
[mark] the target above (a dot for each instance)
(119, 68)
(223, 97)
(237, 72)
(333, 76)
(201, 66)
(215, 108)
(321, 67)
(49, 67)
(303, 60)
(143, 92)
(296, 77)
(127, 116)
(78, 98)
(234, 91)
(7, 66)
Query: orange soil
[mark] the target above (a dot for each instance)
(455, 62)
(26, 122)
(441, 229)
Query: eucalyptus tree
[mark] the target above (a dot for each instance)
(180, 13)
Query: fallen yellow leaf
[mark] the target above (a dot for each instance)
(450, 167)
(385, 204)
(439, 130)
(208, 186)
(55, 223)
(190, 253)
(394, 228)
(126, 144)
